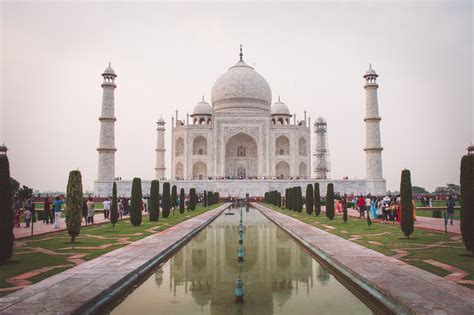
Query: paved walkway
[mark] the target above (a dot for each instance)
(434, 224)
(401, 287)
(42, 228)
(91, 285)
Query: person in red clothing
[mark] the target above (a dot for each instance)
(360, 206)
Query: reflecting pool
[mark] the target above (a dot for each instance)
(279, 276)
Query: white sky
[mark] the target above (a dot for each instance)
(167, 55)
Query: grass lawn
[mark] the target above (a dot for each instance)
(429, 213)
(385, 238)
(54, 251)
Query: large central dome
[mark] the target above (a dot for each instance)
(241, 88)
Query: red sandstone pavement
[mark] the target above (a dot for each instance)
(434, 224)
(401, 287)
(42, 228)
(82, 288)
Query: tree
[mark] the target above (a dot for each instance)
(154, 201)
(467, 201)
(136, 202)
(174, 196)
(6, 215)
(406, 222)
(290, 199)
(309, 199)
(74, 204)
(192, 199)
(166, 205)
(204, 199)
(344, 210)
(15, 186)
(317, 199)
(113, 207)
(419, 190)
(181, 200)
(279, 200)
(294, 199)
(286, 198)
(330, 201)
(449, 189)
(24, 193)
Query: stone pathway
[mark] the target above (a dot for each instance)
(40, 228)
(401, 287)
(94, 283)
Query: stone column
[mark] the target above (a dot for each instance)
(160, 166)
(107, 120)
(373, 148)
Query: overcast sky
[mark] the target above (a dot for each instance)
(167, 55)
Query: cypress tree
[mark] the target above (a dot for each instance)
(344, 210)
(406, 211)
(309, 199)
(317, 199)
(279, 200)
(181, 200)
(74, 205)
(205, 198)
(330, 201)
(286, 198)
(290, 199)
(299, 198)
(166, 206)
(174, 196)
(136, 202)
(467, 202)
(113, 207)
(154, 201)
(6, 215)
(192, 199)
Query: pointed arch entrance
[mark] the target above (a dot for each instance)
(241, 156)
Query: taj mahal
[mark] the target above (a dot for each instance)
(241, 143)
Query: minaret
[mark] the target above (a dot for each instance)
(160, 167)
(107, 119)
(321, 149)
(373, 148)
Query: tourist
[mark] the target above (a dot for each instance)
(414, 209)
(84, 210)
(360, 206)
(450, 208)
(16, 209)
(90, 211)
(145, 204)
(27, 217)
(57, 212)
(16, 218)
(106, 204)
(373, 208)
(46, 210)
(379, 211)
(120, 208)
(338, 206)
(430, 202)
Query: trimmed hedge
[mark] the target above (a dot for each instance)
(174, 196)
(309, 199)
(113, 207)
(330, 202)
(154, 201)
(181, 200)
(192, 199)
(166, 204)
(6, 214)
(467, 204)
(136, 202)
(407, 223)
(317, 199)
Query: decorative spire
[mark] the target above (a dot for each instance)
(278, 98)
(109, 65)
(241, 54)
(203, 97)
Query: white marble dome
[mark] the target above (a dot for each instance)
(202, 108)
(109, 71)
(280, 108)
(241, 88)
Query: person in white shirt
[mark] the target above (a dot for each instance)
(106, 204)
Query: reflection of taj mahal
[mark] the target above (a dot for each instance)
(241, 143)
(242, 135)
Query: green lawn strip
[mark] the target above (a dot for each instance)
(447, 251)
(429, 213)
(23, 262)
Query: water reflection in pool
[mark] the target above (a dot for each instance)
(279, 276)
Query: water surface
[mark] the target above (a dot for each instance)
(279, 276)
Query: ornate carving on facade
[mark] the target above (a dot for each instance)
(230, 131)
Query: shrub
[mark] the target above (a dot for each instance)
(205, 199)
(192, 199)
(279, 200)
(154, 201)
(406, 205)
(286, 198)
(317, 199)
(166, 205)
(174, 196)
(113, 207)
(136, 202)
(181, 200)
(437, 213)
(294, 199)
(299, 199)
(467, 204)
(330, 201)
(6, 215)
(344, 211)
(74, 205)
(309, 199)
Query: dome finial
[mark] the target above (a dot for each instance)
(109, 65)
(241, 54)
(203, 97)
(278, 98)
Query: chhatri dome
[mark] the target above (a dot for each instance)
(109, 71)
(202, 108)
(241, 88)
(280, 108)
